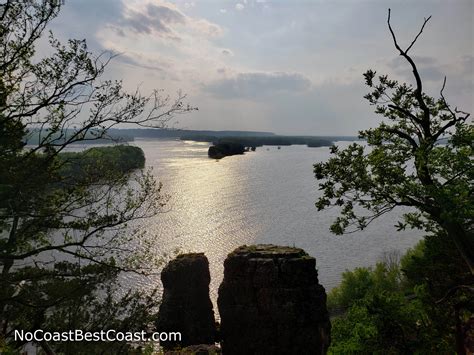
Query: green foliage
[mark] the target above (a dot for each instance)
(356, 284)
(67, 220)
(401, 308)
(88, 301)
(420, 156)
(221, 150)
(94, 163)
(379, 319)
(379, 323)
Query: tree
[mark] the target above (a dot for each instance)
(65, 236)
(420, 156)
(402, 307)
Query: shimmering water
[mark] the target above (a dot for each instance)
(265, 196)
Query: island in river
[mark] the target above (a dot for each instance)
(227, 146)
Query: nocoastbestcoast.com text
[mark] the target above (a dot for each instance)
(103, 335)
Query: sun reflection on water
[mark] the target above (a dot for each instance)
(265, 196)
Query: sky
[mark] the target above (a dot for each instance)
(289, 67)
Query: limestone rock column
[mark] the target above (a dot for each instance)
(186, 306)
(270, 302)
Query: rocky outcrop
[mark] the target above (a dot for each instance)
(270, 302)
(203, 349)
(186, 306)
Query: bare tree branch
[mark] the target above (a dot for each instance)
(419, 86)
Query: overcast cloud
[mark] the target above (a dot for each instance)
(290, 67)
(253, 86)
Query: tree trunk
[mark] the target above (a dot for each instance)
(464, 242)
(10, 246)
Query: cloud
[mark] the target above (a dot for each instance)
(164, 20)
(205, 27)
(321, 40)
(139, 60)
(467, 66)
(239, 7)
(257, 85)
(157, 19)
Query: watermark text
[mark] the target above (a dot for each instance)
(110, 335)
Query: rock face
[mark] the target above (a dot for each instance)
(186, 306)
(270, 302)
(205, 349)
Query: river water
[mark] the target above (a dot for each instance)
(265, 196)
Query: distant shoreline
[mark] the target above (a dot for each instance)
(247, 138)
